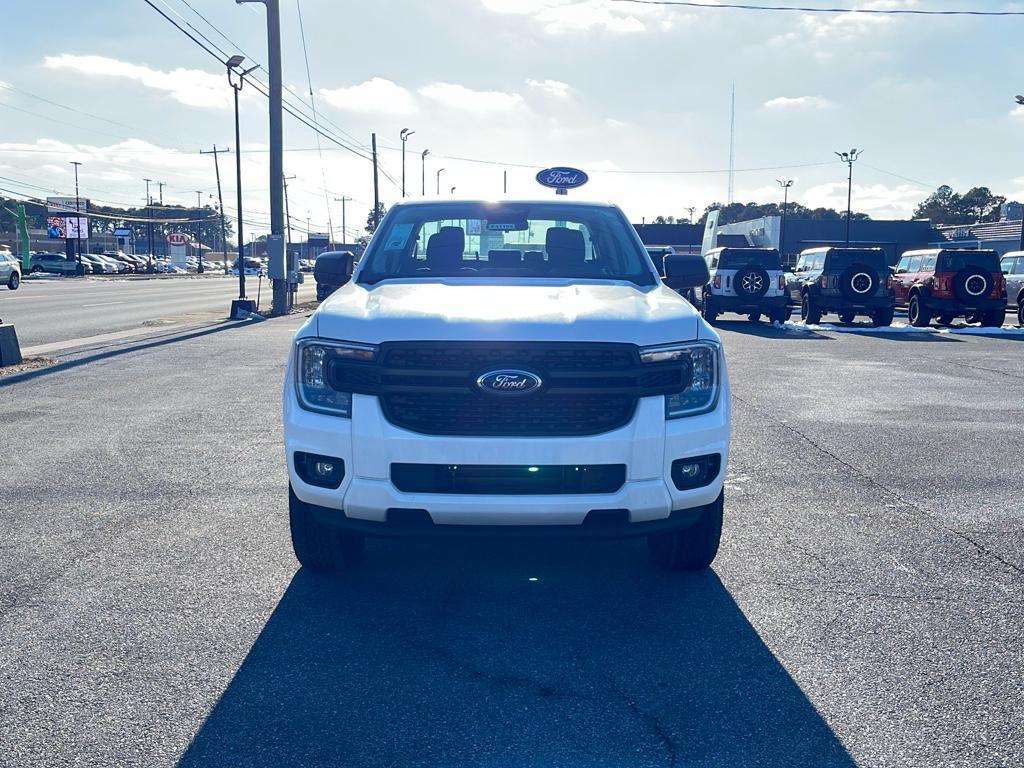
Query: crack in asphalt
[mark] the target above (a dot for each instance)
(653, 722)
(924, 513)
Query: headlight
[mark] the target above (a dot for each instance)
(702, 394)
(312, 369)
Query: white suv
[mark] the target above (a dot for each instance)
(510, 368)
(10, 270)
(747, 281)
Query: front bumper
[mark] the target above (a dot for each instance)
(368, 501)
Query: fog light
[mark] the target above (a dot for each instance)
(695, 471)
(321, 471)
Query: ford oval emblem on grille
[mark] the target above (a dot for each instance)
(509, 382)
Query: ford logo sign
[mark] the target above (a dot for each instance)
(509, 382)
(562, 178)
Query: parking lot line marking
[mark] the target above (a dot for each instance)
(102, 304)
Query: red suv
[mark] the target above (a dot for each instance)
(948, 283)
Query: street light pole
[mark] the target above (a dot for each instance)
(423, 172)
(233, 65)
(78, 220)
(849, 158)
(344, 230)
(785, 184)
(404, 135)
(149, 225)
(439, 172)
(199, 228)
(287, 214)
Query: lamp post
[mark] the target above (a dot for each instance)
(404, 135)
(199, 228)
(785, 184)
(453, 192)
(439, 172)
(236, 77)
(149, 225)
(423, 172)
(344, 230)
(849, 158)
(78, 221)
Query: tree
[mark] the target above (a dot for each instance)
(374, 216)
(944, 206)
(746, 211)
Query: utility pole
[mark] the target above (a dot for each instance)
(785, 184)
(220, 197)
(439, 172)
(199, 228)
(504, 182)
(232, 64)
(423, 172)
(376, 184)
(404, 135)
(149, 225)
(344, 230)
(160, 185)
(282, 295)
(78, 222)
(849, 158)
(287, 214)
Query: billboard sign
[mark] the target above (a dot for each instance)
(66, 205)
(55, 227)
(76, 228)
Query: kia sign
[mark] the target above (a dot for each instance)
(177, 238)
(562, 179)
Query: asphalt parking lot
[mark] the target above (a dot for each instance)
(865, 609)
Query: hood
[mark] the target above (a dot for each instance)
(542, 310)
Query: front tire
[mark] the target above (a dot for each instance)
(919, 316)
(947, 318)
(810, 312)
(882, 318)
(708, 311)
(846, 317)
(14, 282)
(780, 315)
(319, 547)
(993, 319)
(1020, 311)
(755, 317)
(693, 548)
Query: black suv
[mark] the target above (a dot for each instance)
(847, 281)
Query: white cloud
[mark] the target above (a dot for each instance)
(798, 102)
(461, 97)
(192, 87)
(374, 95)
(567, 16)
(1018, 112)
(877, 200)
(551, 87)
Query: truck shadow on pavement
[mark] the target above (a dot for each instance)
(511, 654)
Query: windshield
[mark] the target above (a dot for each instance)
(953, 261)
(740, 258)
(506, 240)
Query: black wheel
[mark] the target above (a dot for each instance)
(780, 315)
(319, 547)
(693, 548)
(993, 319)
(751, 282)
(755, 317)
(858, 281)
(946, 318)
(846, 317)
(14, 282)
(917, 314)
(708, 310)
(882, 318)
(973, 317)
(810, 312)
(36, 269)
(1020, 311)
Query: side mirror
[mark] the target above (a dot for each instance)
(334, 268)
(685, 270)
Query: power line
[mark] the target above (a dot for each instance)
(807, 9)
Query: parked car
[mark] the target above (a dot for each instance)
(10, 270)
(658, 254)
(99, 266)
(53, 263)
(847, 281)
(332, 270)
(949, 283)
(120, 267)
(130, 265)
(1012, 266)
(747, 281)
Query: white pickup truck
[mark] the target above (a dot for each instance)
(507, 368)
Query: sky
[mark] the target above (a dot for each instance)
(637, 95)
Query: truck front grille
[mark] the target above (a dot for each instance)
(430, 387)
